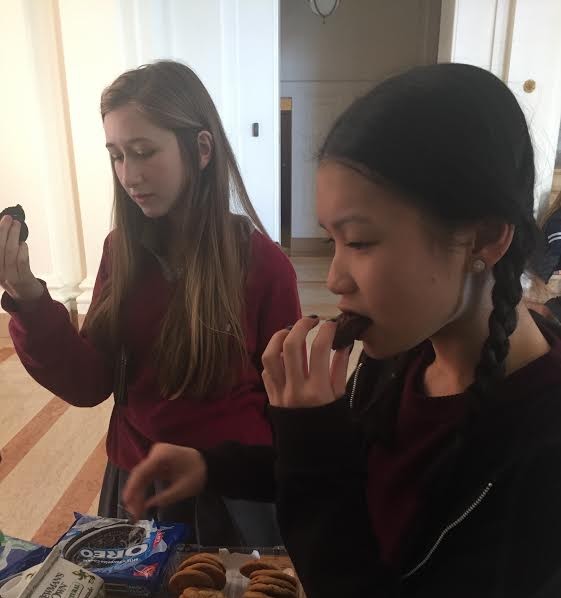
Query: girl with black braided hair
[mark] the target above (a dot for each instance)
(437, 470)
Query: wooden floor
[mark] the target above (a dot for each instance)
(53, 455)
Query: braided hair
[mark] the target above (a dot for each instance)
(454, 141)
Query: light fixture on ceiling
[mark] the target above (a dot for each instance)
(323, 8)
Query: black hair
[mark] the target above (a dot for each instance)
(454, 140)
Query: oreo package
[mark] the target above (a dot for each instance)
(129, 557)
(18, 555)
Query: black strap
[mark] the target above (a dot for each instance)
(120, 384)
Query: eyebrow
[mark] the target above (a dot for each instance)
(130, 141)
(352, 219)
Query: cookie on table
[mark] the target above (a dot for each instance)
(203, 557)
(201, 593)
(217, 575)
(190, 579)
(257, 565)
(264, 577)
(272, 590)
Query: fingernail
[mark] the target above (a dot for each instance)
(313, 316)
(289, 327)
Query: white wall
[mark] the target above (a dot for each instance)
(63, 53)
(324, 66)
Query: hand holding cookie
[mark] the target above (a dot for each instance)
(290, 380)
(183, 468)
(16, 277)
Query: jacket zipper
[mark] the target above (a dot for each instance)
(449, 528)
(355, 381)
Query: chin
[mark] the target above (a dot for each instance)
(153, 213)
(379, 350)
(376, 352)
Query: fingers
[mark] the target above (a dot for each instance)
(141, 478)
(5, 225)
(169, 496)
(11, 249)
(287, 379)
(273, 365)
(294, 351)
(22, 262)
(320, 353)
(184, 468)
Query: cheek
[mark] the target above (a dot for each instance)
(119, 173)
(172, 172)
(403, 289)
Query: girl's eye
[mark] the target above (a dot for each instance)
(144, 154)
(358, 245)
(328, 241)
(116, 158)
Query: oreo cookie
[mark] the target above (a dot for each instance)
(129, 558)
(349, 328)
(89, 549)
(17, 213)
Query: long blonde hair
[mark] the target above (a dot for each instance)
(549, 210)
(202, 341)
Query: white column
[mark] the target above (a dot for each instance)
(93, 57)
(39, 158)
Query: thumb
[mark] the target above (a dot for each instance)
(140, 479)
(174, 493)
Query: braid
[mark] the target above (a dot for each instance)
(506, 295)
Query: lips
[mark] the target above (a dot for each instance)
(350, 326)
(141, 197)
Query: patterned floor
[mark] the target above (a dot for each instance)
(53, 454)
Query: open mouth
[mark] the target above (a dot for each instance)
(350, 326)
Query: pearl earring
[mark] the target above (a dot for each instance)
(478, 266)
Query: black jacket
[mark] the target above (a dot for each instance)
(548, 258)
(490, 524)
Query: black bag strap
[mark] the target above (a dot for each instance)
(120, 384)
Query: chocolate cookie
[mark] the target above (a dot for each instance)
(203, 557)
(248, 568)
(186, 578)
(349, 327)
(81, 549)
(17, 213)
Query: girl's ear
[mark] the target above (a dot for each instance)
(492, 240)
(204, 141)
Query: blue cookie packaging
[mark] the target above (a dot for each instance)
(18, 555)
(129, 557)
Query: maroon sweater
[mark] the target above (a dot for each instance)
(69, 365)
